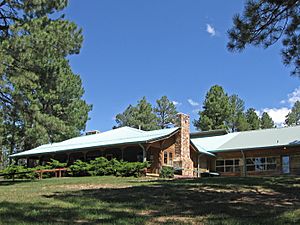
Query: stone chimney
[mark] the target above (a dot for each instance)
(182, 146)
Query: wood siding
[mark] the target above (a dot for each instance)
(277, 153)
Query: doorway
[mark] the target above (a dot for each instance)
(285, 164)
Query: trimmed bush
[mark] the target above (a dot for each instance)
(166, 172)
(19, 172)
(101, 166)
(80, 168)
(128, 169)
(98, 167)
(55, 164)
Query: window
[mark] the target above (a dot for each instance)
(170, 159)
(261, 164)
(165, 157)
(228, 165)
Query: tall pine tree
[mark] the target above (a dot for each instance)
(265, 22)
(266, 121)
(165, 111)
(237, 107)
(40, 96)
(216, 110)
(241, 122)
(140, 116)
(293, 117)
(252, 119)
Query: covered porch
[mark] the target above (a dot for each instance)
(158, 152)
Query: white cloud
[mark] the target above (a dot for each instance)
(192, 102)
(278, 115)
(176, 103)
(210, 29)
(196, 111)
(294, 96)
(258, 112)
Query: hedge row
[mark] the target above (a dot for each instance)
(98, 167)
(101, 166)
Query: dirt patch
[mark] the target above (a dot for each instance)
(174, 219)
(90, 186)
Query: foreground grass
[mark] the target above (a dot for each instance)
(111, 200)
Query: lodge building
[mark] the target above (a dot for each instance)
(260, 152)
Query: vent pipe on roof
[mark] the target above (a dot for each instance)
(91, 132)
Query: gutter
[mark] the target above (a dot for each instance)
(253, 148)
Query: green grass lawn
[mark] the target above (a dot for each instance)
(111, 200)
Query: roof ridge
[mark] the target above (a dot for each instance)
(266, 129)
(132, 128)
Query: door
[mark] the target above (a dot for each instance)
(285, 164)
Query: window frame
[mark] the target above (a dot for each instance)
(168, 157)
(232, 167)
(165, 158)
(261, 164)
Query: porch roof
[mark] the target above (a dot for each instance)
(119, 136)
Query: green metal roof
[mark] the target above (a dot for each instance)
(209, 133)
(211, 143)
(276, 137)
(287, 136)
(123, 135)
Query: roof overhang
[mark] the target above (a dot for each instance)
(26, 154)
(201, 150)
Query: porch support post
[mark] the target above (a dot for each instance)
(144, 153)
(244, 164)
(68, 158)
(161, 155)
(40, 161)
(198, 166)
(122, 152)
(84, 156)
(17, 161)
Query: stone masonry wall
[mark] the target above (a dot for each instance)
(182, 146)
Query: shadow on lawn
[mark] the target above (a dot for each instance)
(12, 182)
(166, 202)
(38, 213)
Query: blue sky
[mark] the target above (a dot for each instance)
(177, 48)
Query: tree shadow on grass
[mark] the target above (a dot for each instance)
(13, 182)
(38, 213)
(281, 184)
(206, 201)
(164, 202)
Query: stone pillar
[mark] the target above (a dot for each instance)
(182, 146)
